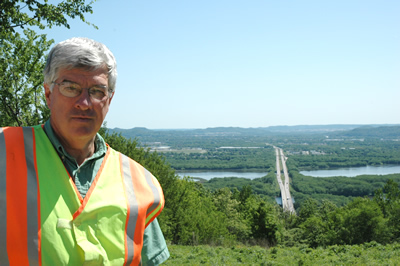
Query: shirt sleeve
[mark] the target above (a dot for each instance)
(155, 250)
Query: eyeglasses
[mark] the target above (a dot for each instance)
(71, 90)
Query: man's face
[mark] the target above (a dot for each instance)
(80, 117)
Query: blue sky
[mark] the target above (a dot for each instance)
(254, 63)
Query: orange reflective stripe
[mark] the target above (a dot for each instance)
(3, 202)
(16, 199)
(145, 201)
(141, 193)
(20, 189)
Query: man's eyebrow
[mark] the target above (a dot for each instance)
(100, 86)
(97, 85)
(66, 80)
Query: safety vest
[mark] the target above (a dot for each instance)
(45, 221)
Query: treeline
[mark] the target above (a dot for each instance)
(309, 150)
(304, 154)
(266, 187)
(229, 158)
(337, 154)
(392, 132)
(194, 214)
(339, 190)
(362, 220)
(360, 186)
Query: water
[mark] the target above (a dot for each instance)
(349, 172)
(355, 171)
(221, 174)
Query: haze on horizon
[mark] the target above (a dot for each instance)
(201, 64)
(328, 127)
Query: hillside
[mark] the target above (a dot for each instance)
(373, 131)
(386, 132)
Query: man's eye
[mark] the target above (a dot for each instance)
(70, 88)
(97, 92)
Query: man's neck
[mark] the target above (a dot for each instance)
(80, 152)
(79, 149)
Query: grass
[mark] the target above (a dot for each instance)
(366, 254)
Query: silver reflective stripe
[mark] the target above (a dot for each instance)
(3, 202)
(133, 206)
(31, 200)
(157, 200)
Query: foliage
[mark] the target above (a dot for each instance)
(359, 222)
(195, 215)
(388, 199)
(28, 13)
(370, 253)
(359, 186)
(266, 186)
(252, 158)
(236, 221)
(21, 93)
(362, 221)
(22, 55)
(263, 220)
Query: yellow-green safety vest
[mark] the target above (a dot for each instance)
(44, 219)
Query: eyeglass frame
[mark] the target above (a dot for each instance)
(107, 90)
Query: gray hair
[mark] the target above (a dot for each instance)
(81, 53)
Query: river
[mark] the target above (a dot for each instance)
(221, 174)
(349, 172)
(355, 171)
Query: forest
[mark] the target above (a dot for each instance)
(223, 211)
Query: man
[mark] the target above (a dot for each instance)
(66, 197)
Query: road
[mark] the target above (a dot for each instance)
(287, 202)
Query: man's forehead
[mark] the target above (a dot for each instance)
(82, 73)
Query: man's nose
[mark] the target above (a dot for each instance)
(84, 101)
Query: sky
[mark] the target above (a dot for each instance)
(255, 63)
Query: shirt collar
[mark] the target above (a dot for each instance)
(99, 143)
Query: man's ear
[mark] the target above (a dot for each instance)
(47, 93)
(109, 100)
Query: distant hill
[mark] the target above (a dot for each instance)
(382, 131)
(337, 131)
(313, 128)
(385, 132)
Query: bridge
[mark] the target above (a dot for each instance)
(287, 201)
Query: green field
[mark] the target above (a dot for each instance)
(365, 254)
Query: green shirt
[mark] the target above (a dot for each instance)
(155, 249)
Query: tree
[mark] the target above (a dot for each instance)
(22, 99)
(263, 220)
(22, 55)
(229, 206)
(388, 200)
(362, 222)
(308, 209)
(314, 231)
(28, 13)
(316, 222)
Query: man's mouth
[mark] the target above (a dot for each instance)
(82, 118)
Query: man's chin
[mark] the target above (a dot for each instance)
(83, 132)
